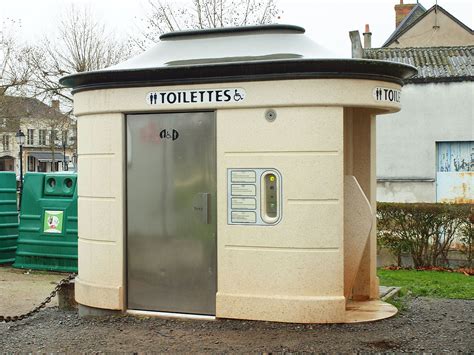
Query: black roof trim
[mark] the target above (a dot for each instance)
(238, 72)
(235, 79)
(227, 30)
(407, 28)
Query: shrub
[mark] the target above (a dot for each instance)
(425, 230)
(467, 239)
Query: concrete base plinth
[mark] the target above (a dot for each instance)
(86, 311)
(281, 309)
(369, 311)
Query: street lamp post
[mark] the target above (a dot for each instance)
(64, 154)
(74, 161)
(20, 140)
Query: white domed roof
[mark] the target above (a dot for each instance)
(249, 53)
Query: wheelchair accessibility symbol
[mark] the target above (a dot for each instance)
(239, 95)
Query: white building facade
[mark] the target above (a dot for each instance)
(49, 136)
(426, 152)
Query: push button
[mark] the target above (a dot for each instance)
(270, 197)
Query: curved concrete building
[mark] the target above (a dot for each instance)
(231, 173)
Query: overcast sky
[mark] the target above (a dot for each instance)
(327, 22)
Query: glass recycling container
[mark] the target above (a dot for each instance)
(48, 223)
(8, 217)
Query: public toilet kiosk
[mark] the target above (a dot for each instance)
(230, 173)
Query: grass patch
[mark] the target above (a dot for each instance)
(438, 284)
(400, 301)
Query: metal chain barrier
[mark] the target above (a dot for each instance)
(63, 282)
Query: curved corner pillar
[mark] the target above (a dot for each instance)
(100, 282)
(359, 157)
(358, 220)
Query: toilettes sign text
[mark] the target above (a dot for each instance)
(386, 94)
(198, 96)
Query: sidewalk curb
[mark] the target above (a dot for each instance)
(390, 293)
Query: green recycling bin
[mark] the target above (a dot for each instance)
(48, 223)
(8, 217)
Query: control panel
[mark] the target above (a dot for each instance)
(254, 196)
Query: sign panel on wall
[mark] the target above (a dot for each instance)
(53, 222)
(254, 196)
(197, 96)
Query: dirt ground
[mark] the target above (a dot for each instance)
(21, 290)
(426, 325)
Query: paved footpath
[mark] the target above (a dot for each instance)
(21, 290)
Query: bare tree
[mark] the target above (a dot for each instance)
(59, 124)
(83, 44)
(14, 69)
(9, 115)
(163, 16)
(14, 75)
(31, 71)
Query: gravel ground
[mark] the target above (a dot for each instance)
(426, 325)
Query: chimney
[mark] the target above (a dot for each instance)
(367, 37)
(357, 50)
(55, 104)
(401, 11)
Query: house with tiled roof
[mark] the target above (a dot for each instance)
(425, 152)
(415, 26)
(434, 64)
(49, 135)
